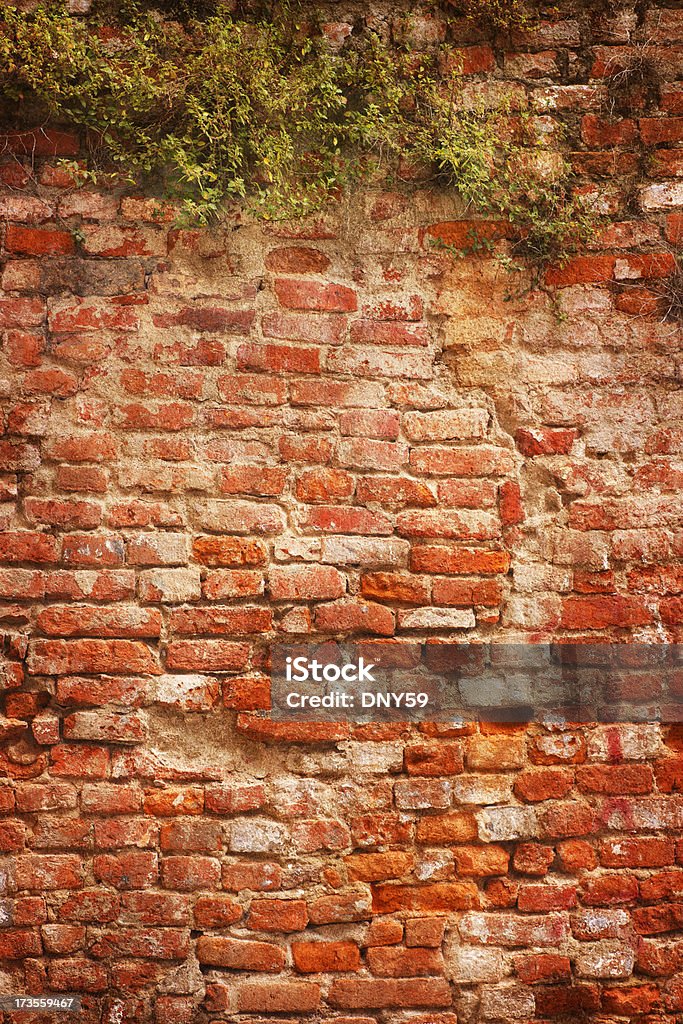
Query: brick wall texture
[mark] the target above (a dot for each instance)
(217, 438)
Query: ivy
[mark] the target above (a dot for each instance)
(261, 110)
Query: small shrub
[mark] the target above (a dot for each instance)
(253, 109)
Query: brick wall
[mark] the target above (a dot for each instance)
(217, 438)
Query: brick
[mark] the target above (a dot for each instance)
(187, 873)
(480, 861)
(76, 975)
(510, 930)
(240, 954)
(83, 620)
(437, 759)
(395, 587)
(48, 871)
(383, 332)
(66, 657)
(437, 896)
(38, 241)
(220, 619)
(128, 870)
(309, 295)
(278, 915)
(207, 655)
(436, 559)
(305, 583)
(216, 911)
(609, 890)
(375, 867)
(339, 908)
(280, 996)
(495, 752)
(316, 328)
(362, 993)
(316, 957)
(389, 962)
(544, 784)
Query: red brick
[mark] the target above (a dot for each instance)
(190, 836)
(220, 620)
(65, 657)
(48, 871)
(21, 312)
(437, 758)
(320, 486)
(172, 802)
(533, 858)
(255, 876)
(100, 798)
(614, 780)
(581, 270)
(428, 558)
(546, 441)
(544, 898)
(277, 915)
(366, 993)
(576, 855)
(97, 905)
(601, 611)
(651, 852)
(655, 130)
(188, 873)
(332, 298)
(539, 784)
(317, 957)
(395, 587)
(480, 861)
(458, 827)
(228, 551)
(437, 896)
(278, 996)
(666, 917)
(465, 593)
(376, 867)
(609, 890)
(304, 582)
(476, 461)
(79, 761)
(395, 492)
(24, 546)
(313, 835)
(208, 318)
(240, 954)
(84, 620)
(340, 907)
(297, 260)
(390, 962)
(128, 870)
(207, 655)
(23, 348)
(279, 358)
(425, 931)
(544, 968)
(38, 242)
(216, 911)
(354, 617)
(76, 975)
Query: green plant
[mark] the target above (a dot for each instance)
(258, 109)
(499, 14)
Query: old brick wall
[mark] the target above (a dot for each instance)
(217, 438)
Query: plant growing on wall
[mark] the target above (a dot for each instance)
(262, 110)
